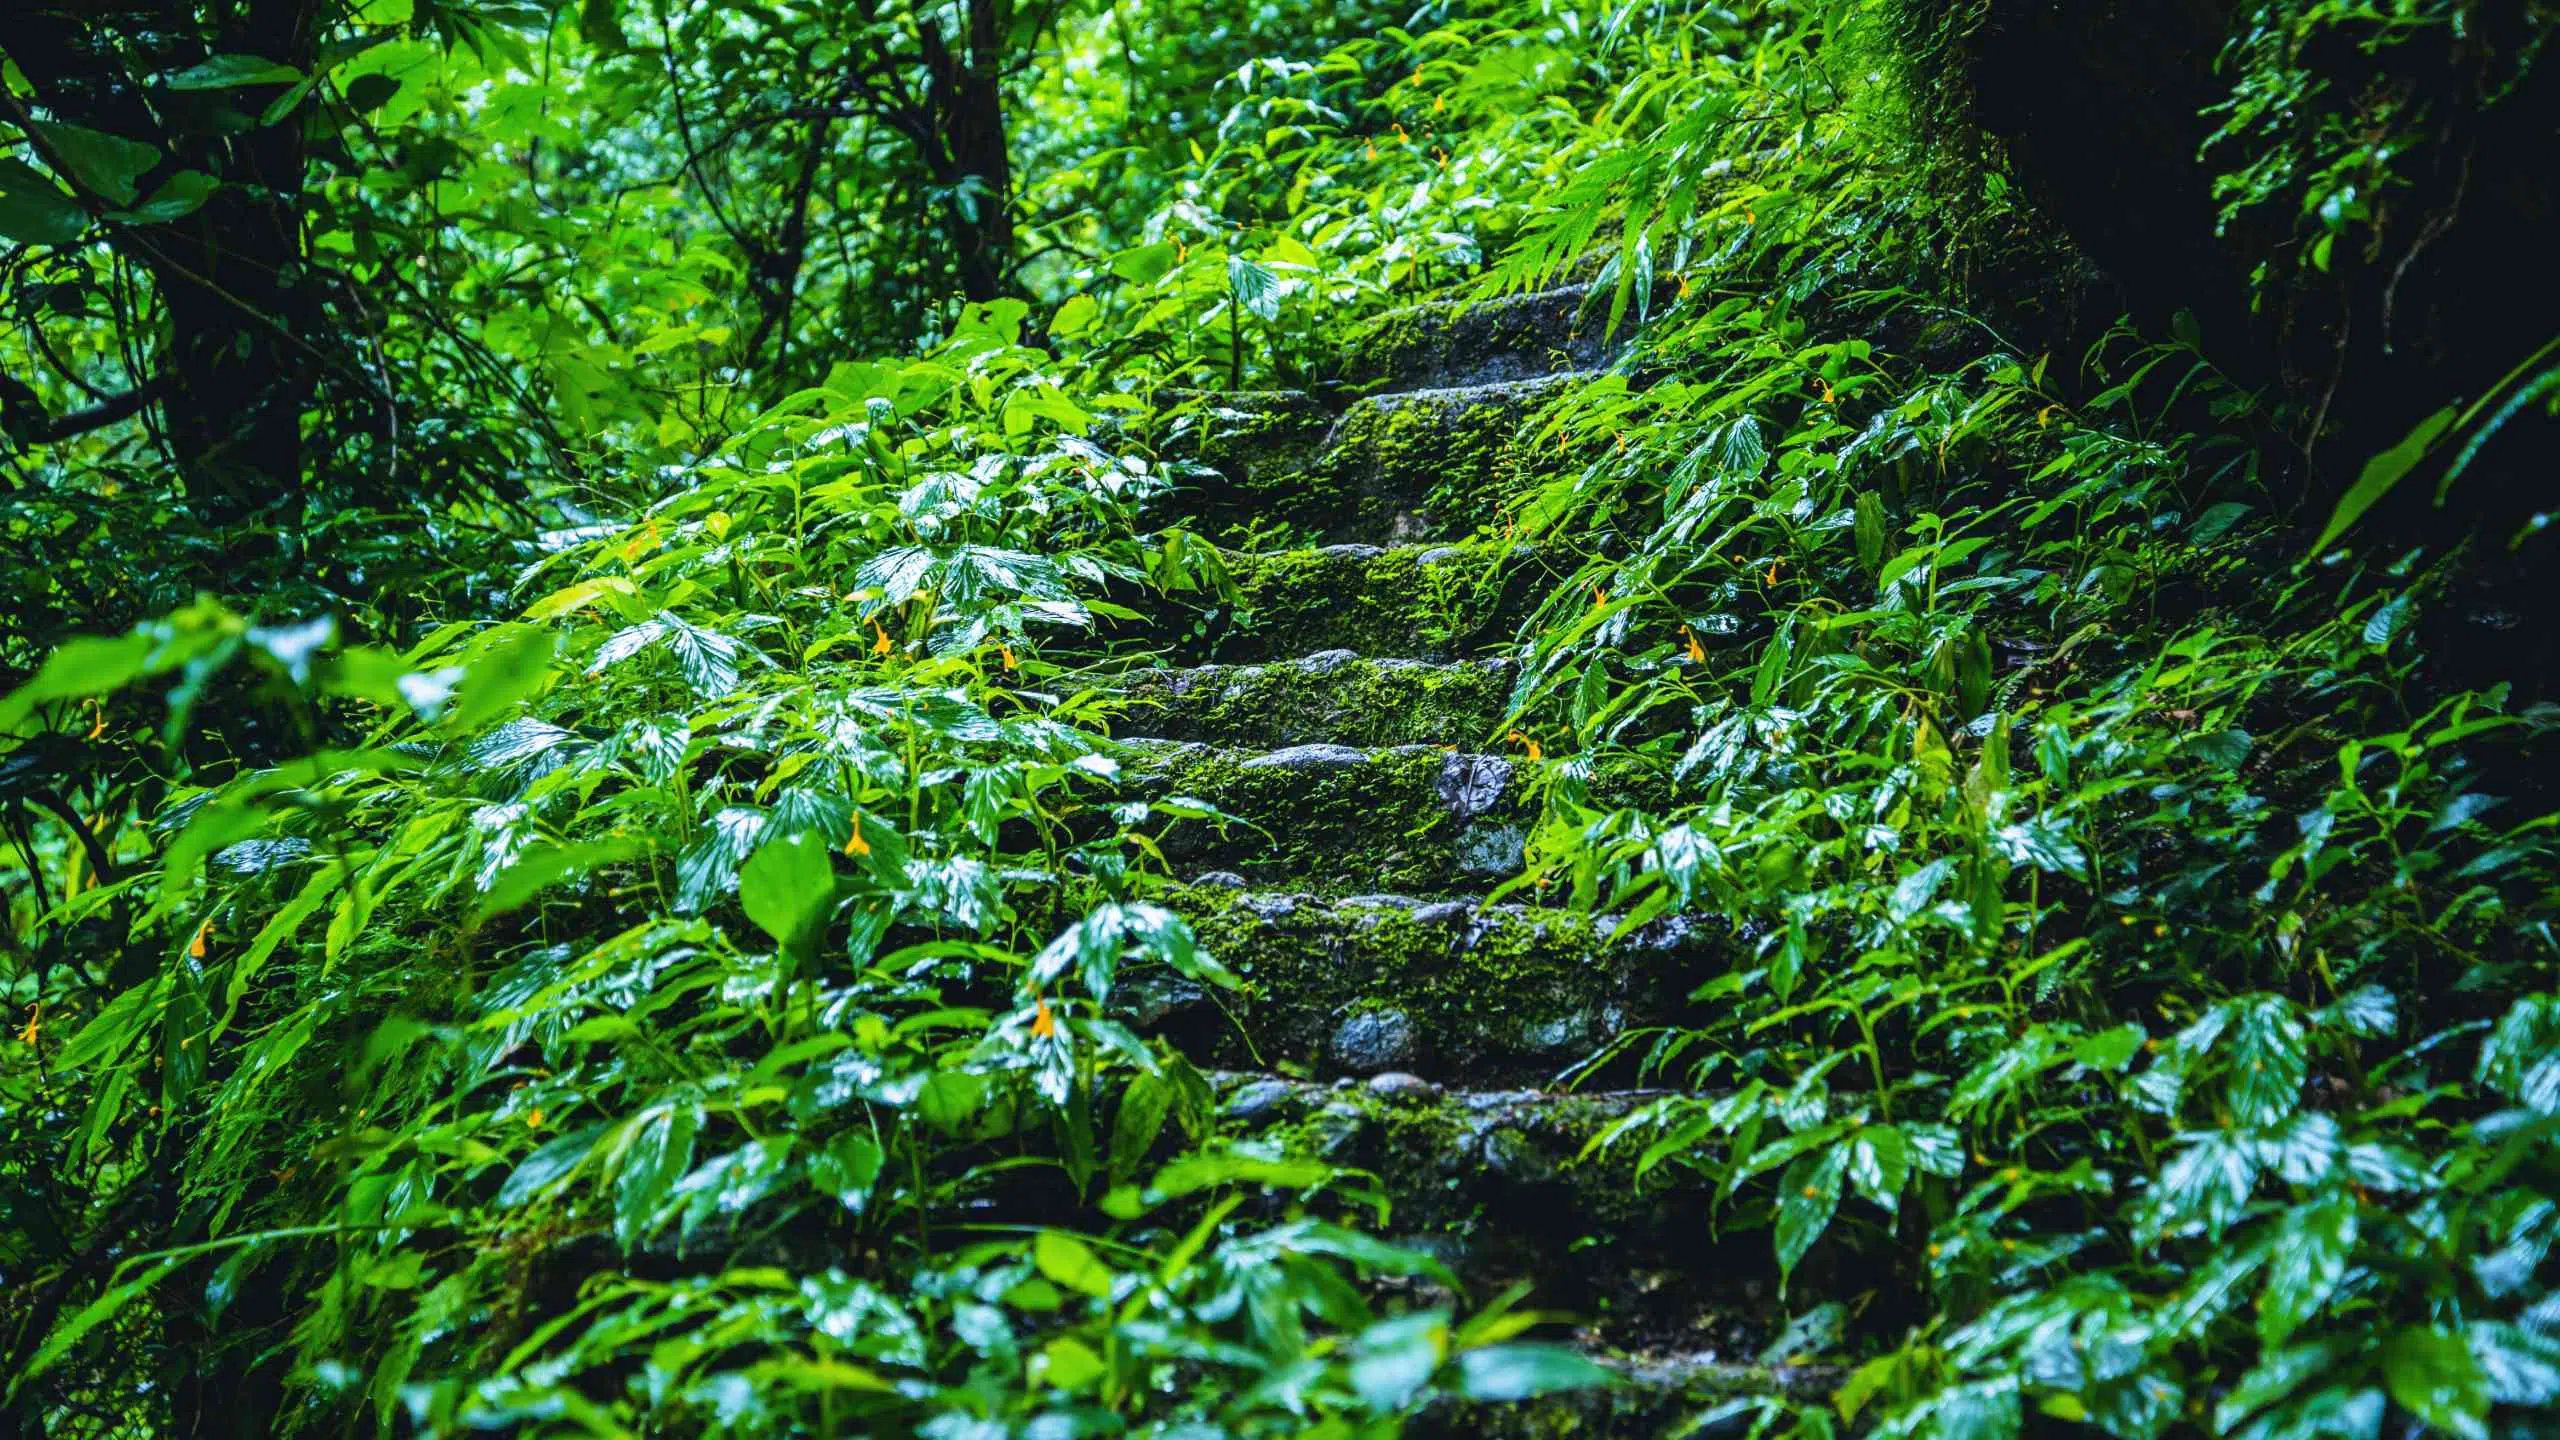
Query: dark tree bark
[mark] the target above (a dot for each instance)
(244, 355)
(966, 93)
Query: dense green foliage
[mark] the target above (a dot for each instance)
(575, 863)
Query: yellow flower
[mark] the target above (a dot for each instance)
(881, 645)
(1043, 1024)
(1697, 652)
(857, 847)
(35, 1025)
(1009, 662)
(1536, 752)
(195, 947)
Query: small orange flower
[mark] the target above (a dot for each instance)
(1536, 752)
(534, 1120)
(1043, 1023)
(1598, 596)
(1009, 662)
(195, 947)
(35, 1025)
(101, 727)
(1772, 577)
(1373, 149)
(1697, 652)
(881, 645)
(856, 846)
(1684, 287)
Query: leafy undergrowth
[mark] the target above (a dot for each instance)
(678, 999)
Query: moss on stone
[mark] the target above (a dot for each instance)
(1405, 601)
(1413, 819)
(1352, 701)
(1489, 994)
(1361, 821)
(1460, 341)
(1425, 464)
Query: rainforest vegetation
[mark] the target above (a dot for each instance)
(1040, 719)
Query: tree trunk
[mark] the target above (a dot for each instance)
(243, 358)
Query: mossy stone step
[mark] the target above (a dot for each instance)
(1470, 342)
(1417, 601)
(1414, 819)
(1412, 465)
(1346, 820)
(1450, 989)
(1504, 1186)
(1334, 695)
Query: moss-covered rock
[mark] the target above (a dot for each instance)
(1454, 989)
(1334, 695)
(1338, 819)
(1410, 602)
(1459, 342)
(1413, 465)
(1411, 819)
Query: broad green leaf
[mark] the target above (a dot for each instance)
(549, 1165)
(1808, 1194)
(504, 668)
(224, 72)
(2432, 1375)
(2306, 1266)
(1526, 1371)
(657, 1152)
(847, 1169)
(108, 166)
(33, 209)
(1070, 1364)
(788, 888)
(1071, 1263)
(1392, 1360)
(2383, 472)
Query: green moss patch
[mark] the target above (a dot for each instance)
(1457, 990)
(1406, 601)
(1334, 696)
(1465, 342)
(1411, 466)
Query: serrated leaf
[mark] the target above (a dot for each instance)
(1808, 1195)
(2306, 1266)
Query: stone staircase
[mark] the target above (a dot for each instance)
(1396, 1018)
